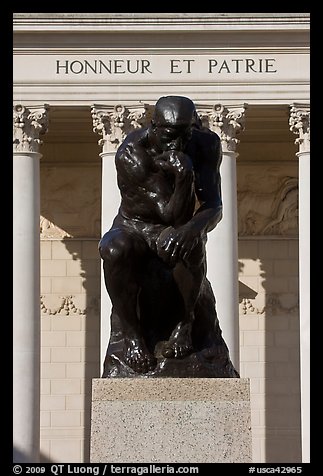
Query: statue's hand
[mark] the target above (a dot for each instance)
(175, 161)
(174, 245)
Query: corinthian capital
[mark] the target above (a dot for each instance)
(227, 122)
(299, 122)
(115, 122)
(28, 124)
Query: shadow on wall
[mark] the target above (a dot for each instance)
(19, 457)
(269, 301)
(245, 292)
(89, 258)
(282, 347)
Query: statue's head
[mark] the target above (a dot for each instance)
(172, 122)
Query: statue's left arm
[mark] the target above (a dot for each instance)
(208, 184)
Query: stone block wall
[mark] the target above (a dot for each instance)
(70, 330)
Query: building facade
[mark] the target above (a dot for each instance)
(81, 83)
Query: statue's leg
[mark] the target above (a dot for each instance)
(189, 275)
(124, 254)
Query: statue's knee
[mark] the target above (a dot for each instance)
(114, 248)
(111, 251)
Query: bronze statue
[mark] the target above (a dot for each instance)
(163, 320)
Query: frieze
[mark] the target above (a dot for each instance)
(144, 67)
(267, 204)
(156, 68)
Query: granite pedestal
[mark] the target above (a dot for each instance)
(171, 420)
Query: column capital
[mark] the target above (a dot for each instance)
(28, 124)
(299, 122)
(226, 121)
(115, 122)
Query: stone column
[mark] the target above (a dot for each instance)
(222, 247)
(28, 124)
(113, 123)
(300, 124)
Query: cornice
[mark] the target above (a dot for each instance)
(159, 21)
(159, 32)
(214, 50)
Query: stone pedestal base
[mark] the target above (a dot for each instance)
(171, 420)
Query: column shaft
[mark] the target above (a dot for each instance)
(28, 125)
(26, 309)
(222, 253)
(109, 208)
(304, 298)
(222, 248)
(299, 122)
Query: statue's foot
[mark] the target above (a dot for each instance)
(180, 342)
(138, 357)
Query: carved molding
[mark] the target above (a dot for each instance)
(115, 122)
(273, 306)
(299, 123)
(271, 211)
(226, 121)
(66, 306)
(28, 124)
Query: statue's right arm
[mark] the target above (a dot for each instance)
(130, 164)
(132, 161)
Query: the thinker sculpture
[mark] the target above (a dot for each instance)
(164, 320)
